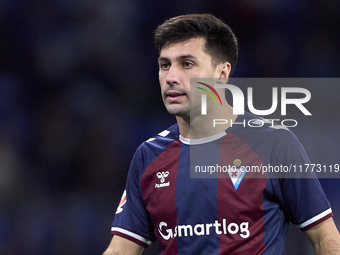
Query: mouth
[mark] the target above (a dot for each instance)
(174, 96)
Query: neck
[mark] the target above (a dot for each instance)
(201, 126)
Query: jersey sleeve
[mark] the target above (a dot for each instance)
(132, 221)
(302, 197)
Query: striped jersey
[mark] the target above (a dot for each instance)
(231, 193)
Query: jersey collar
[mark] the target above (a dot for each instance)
(201, 140)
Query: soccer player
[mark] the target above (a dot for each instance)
(232, 215)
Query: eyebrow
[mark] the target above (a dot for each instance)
(188, 56)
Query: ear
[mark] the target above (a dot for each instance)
(224, 73)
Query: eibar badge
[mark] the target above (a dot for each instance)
(162, 176)
(238, 173)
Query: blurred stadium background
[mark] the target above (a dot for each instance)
(79, 92)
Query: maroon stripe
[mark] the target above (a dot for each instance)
(317, 222)
(129, 238)
(161, 201)
(243, 205)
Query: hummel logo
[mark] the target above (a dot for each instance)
(162, 176)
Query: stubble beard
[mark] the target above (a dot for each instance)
(179, 110)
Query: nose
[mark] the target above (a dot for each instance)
(172, 75)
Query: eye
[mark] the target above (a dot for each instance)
(187, 64)
(164, 66)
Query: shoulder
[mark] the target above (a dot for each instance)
(160, 142)
(254, 130)
(150, 149)
(272, 142)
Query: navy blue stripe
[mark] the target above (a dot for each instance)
(196, 199)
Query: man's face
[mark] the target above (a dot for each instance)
(177, 64)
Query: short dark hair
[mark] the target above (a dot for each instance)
(221, 43)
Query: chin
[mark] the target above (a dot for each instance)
(180, 111)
